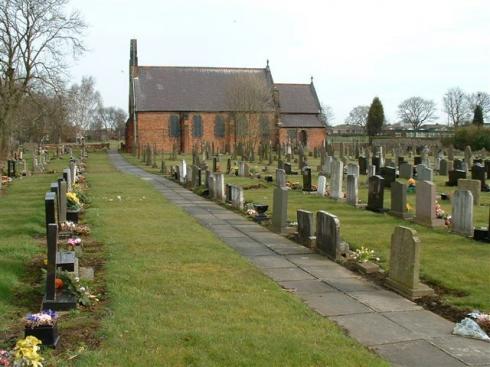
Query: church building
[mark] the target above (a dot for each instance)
(177, 108)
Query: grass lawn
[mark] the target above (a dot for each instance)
(181, 297)
(21, 222)
(449, 260)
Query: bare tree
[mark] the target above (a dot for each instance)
(358, 116)
(85, 101)
(326, 114)
(416, 110)
(250, 100)
(481, 99)
(456, 106)
(112, 119)
(35, 36)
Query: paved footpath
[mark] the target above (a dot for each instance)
(396, 328)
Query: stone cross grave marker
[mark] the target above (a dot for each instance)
(405, 264)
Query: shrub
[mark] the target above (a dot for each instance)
(476, 137)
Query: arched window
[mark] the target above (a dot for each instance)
(197, 126)
(174, 126)
(219, 126)
(265, 130)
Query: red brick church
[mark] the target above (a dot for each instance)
(181, 107)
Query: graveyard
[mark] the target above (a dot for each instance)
(249, 183)
(463, 283)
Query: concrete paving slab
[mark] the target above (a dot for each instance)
(470, 351)
(333, 271)
(287, 274)
(383, 300)
(335, 303)
(354, 284)
(423, 322)
(310, 260)
(311, 286)
(417, 353)
(274, 261)
(374, 329)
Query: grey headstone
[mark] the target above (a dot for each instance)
(280, 209)
(328, 234)
(462, 214)
(405, 264)
(305, 227)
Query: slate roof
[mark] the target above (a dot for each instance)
(165, 88)
(300, 120)
(298, 98)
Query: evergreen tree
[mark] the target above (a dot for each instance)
(478, 116)
(376, 118)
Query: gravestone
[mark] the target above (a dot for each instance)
(450, 153)
(322, 185)
(406, 170)
(50, 209)
(337, 177)
(424, 173)
(399, 200)
(237, 199)
(211, 185)
(73, 172)
(363, 163)
(487, 167)
(468, 157)
(375, 194)
(462, 213)
(328, 166)
(473, 186)
(405, 264)
(67, 178)
(220, 186)
(307, 179)
(328, 234)
(417, 160)
(443, 167)
(182, 171)
(353, 169)
(241, 169)
(280, 178)
(454, 176)
(376, 161)
(457, 164)
(280, 209)
(371, 171)
(54, 299)
(306, 232)
(287, 168)
(478, 172)
(62, 187)
(389, 175)
(352, 190)
(425, 198)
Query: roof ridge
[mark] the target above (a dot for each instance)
(199, 67)
(304, 84)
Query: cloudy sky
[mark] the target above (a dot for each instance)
(354, 49)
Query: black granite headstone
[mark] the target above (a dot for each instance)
(389, 175)
(478, 172)
(363, 163)
(307, 179)
(375, 194)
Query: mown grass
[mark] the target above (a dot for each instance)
(181, 297)
(21, 222)
(449, 260)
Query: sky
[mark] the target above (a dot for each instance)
(354, 49)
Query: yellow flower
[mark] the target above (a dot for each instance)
(72, 197)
